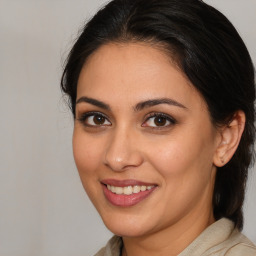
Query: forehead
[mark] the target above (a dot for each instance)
(135, 72)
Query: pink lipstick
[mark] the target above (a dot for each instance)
(125, 193)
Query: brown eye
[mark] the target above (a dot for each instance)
(94, 119)
(99, 120)
(160, 121)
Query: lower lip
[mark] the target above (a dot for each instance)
(126, 200)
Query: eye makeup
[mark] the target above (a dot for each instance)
(158, 120)
(92, 118)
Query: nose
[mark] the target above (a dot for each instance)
(123, 151)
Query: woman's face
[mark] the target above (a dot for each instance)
(143, 141)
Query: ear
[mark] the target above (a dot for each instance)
(230, 136)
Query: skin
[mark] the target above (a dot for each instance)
(179, 157)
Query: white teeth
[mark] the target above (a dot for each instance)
(119, 190)
(128, 190)
(143, 188)
(136, 189)
(113, 189)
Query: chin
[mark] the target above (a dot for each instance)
(126, 231)
(126, 225)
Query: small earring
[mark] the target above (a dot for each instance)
(222, 160)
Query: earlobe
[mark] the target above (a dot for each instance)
(230, 135)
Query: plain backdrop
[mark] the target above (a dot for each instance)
(44, 210)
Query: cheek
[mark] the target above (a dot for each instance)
(86, 154)
(168, 155)
(182, 157)
(185, 172)
(169, 162)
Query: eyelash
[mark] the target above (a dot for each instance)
(162, 115)
(85, 116)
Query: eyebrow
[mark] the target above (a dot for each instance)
(154, 102)
(94, 102)
(138, 107)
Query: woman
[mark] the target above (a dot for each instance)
(162, 93)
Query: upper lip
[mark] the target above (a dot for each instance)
(125, 183)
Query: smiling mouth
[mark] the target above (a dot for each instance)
(126, 193)
(128, 190)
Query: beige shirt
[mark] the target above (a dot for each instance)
(219, 239)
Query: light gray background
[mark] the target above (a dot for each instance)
(43, 208)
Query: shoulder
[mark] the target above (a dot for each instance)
(242, 249)
(236, 244)
(101, 252)
(112, 248)
(221, 239)
(240, 245)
